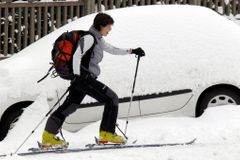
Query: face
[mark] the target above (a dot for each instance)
(105, 30)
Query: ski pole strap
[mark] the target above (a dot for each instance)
(45, 75)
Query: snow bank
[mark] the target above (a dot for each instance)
(217, 133)
(186, 47)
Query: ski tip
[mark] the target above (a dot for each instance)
(192, 141)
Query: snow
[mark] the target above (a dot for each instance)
(198, 45)
(235, 19)
(227, 1)
(188, 29)
(217, 132)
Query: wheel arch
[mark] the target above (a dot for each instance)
(15, 107)
(215, 87)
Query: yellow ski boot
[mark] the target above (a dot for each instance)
(49, 140)
(106, 137)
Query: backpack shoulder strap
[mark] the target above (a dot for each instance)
(83, 33)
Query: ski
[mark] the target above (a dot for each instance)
(97, 143)
(96, 147)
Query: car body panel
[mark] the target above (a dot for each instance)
(141, 106)
(165, 104)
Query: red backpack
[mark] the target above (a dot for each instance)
(62, 54)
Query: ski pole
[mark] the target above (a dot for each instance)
(130, 104)
(50, 111)
(121, 131)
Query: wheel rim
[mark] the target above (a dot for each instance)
(220, 100)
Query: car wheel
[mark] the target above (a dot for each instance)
(8, 122)
(217, 97)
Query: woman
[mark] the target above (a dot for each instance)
(87, 84)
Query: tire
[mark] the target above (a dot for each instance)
(8, 122)
(217, 97)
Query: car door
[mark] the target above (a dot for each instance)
(164, 102)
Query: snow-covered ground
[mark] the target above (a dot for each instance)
(217, 133)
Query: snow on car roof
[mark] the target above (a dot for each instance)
(186, 46)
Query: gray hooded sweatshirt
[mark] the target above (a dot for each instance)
(85, 44)
(101, 46)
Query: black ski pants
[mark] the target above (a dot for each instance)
(82, 86)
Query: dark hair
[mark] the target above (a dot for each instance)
(102, 19)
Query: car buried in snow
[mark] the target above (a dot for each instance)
(191, 63)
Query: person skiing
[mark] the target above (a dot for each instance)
(85, 83)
